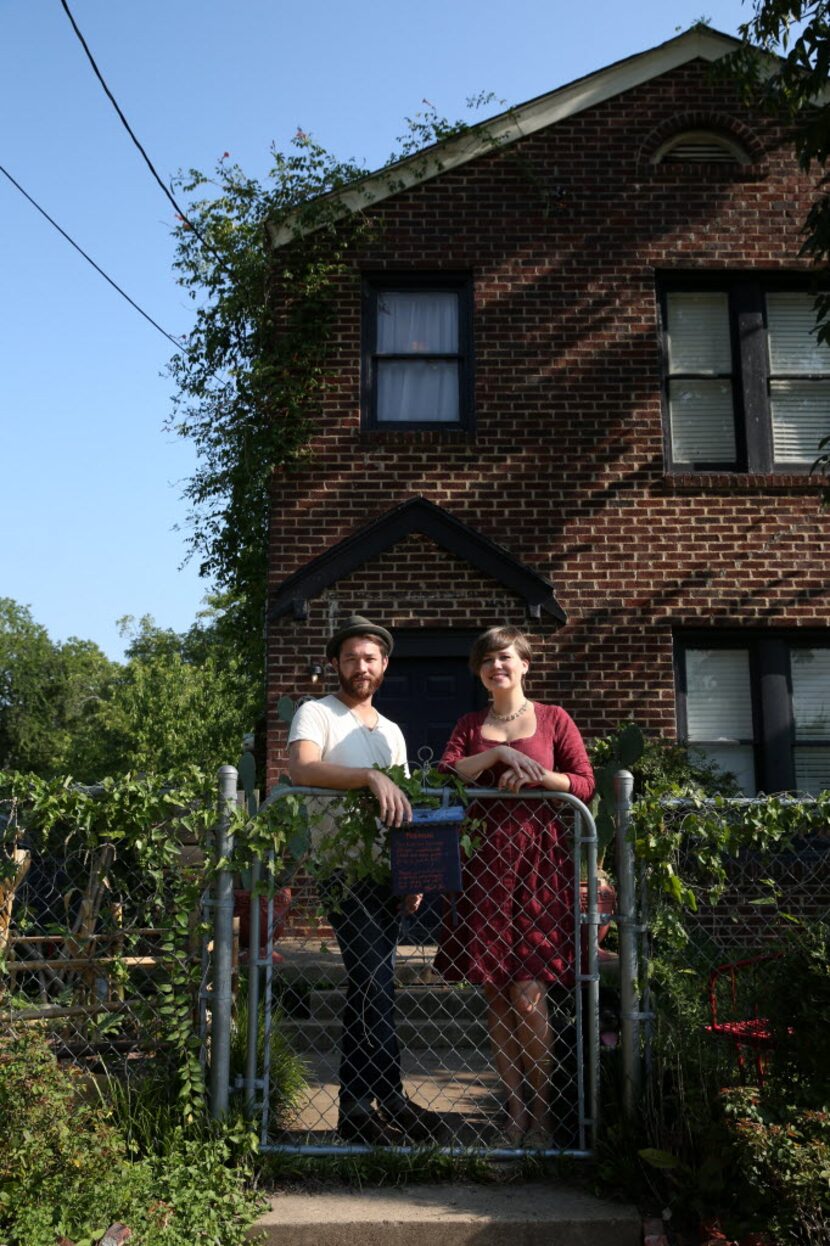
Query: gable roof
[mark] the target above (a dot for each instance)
(417, 515)
(699, 43)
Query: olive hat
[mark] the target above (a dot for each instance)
(356, 625)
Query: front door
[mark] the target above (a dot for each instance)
(426, 693)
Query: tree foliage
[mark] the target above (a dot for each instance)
(179, 699)
(51, 694)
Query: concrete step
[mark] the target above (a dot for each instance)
(416, 1003)
(530, 1214)
(305, 965)
(421, 1035)
(310, 963)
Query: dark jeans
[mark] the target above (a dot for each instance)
(366, 920)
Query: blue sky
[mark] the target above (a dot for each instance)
(91, 481)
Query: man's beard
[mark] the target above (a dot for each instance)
(360, 686)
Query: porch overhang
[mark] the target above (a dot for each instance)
(418, 515)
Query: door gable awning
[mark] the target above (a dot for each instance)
(418, 515)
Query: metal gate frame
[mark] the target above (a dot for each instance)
(256, 1082)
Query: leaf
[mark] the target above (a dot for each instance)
(630, 745)
(285, 709)
(605, 784)
(658, 1159)
(299, 842)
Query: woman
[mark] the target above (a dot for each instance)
(514, 930)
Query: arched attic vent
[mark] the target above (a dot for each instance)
(700, 146)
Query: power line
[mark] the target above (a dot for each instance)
(89, 259)
(182, 215)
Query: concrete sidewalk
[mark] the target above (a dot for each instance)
(529, 1214)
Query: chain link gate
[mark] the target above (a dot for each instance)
(300, 1008)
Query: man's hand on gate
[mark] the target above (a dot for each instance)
(393, 807)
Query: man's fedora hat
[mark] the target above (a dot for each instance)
(356, 625)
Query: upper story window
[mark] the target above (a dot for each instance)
(759, 706)
(417, 355)
(747, 380)
(694, 146)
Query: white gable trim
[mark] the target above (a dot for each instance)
(701, 43)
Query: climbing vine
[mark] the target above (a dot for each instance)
(251, 374)
(687, 843)
(106, 884)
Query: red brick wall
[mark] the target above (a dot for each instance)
(563, 235)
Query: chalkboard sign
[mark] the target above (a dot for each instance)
(425, 852)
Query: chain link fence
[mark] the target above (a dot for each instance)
(746, 899)
(96, 951)
(481, 1007)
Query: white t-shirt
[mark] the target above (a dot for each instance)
(345, 740)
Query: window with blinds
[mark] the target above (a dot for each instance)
(719, 720)
(747, 381)
(701, 408)
(799, 378)
(759, 707)
(811, 718)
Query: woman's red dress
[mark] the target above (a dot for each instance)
(514, 918)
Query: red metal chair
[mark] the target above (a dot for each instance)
(753, 1033)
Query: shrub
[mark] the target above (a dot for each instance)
(783, 1155)
(65, 1171)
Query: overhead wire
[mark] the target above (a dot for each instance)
(169, 194)
(89, 259)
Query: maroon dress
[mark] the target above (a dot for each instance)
(514, 919)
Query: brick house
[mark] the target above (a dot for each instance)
(576, 389)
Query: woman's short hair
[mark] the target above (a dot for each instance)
(496, 638)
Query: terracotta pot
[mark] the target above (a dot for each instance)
(242, 910)
(606, 903)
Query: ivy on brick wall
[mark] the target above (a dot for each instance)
(252, 372)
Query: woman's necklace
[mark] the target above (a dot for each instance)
(508, 718)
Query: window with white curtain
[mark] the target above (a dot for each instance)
(416, 352)
(759, 706)
(747, 381)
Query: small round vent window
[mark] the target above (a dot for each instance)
(699, 146)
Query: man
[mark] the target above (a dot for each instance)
(337, 742)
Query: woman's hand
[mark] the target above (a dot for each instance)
(519, 767)
(512, 781)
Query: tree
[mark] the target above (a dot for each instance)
(180, 699)
(51, 695)
(177, 700)
(784, 64)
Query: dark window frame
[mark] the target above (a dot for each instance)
(751, 370)
(379, 283)
(771, 690)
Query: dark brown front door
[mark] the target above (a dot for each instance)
(426, 693)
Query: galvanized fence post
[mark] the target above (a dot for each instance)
(221, 995)
(627, 925)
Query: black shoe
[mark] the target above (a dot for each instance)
(417, 1123)
(365, 1127)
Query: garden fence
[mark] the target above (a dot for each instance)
(301, 1003)
(733, 923)
(94, 951)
